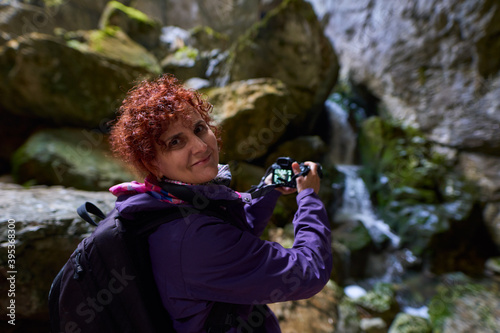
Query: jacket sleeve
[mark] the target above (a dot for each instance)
(260, 211)
(222, 263)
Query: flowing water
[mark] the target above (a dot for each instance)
(343, 141)
(389, 262)
(357, 205)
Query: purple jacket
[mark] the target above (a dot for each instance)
(200, 259)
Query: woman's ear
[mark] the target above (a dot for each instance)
(152, 167)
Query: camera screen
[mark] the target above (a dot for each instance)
(281, 176)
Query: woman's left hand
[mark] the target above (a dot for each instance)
(283, 190)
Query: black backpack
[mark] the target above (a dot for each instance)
(107, 284)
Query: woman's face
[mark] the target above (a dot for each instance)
(190, 153)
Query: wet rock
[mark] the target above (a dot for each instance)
(47, 231)
(77, 158)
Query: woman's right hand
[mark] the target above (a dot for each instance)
(311, 180)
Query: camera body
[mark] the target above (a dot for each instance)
(283, 173)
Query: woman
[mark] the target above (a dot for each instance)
(212, 256)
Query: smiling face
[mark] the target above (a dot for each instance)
(189, 152)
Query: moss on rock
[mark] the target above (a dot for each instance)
(69, 157)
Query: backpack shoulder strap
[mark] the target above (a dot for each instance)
(88, 207)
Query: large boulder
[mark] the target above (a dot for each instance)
(265, 107)
(111, 42)
(47, 230)
(289, 45)
(77, 158)
(45, 77)
(137, 25)
(432, 63)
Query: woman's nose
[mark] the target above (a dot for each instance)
(198, 145)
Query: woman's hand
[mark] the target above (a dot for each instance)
(283, 190)
(311, 180)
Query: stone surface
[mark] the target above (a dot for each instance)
(405, 323)
(483, 170)
(301, 149)
(429, 62)
(42, 77)
(137, 25)
(289, 45)
(267, 109)
(466, 306)
(317, 314)
(47, 231)
(77, 158)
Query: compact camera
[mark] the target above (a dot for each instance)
(283, 174)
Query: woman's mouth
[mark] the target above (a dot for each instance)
(203, 161)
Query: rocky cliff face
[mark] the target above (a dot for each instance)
(431, 63)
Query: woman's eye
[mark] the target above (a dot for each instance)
(199, 128)
(173, 143)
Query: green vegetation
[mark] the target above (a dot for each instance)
(186, 52)
(414, 188)
(132, 12)
(442, 305)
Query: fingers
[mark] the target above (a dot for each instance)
(311, 180)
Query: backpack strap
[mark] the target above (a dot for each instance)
(88, 207)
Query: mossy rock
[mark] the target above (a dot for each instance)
(253, 115)
(69, 157)
(405, 323)
(465, 306)
(207, 39)
(289, 45)
(380, 302)
(136, 24)
(244, 175)
(69, 84)
(301, 149)
(113, 43)
(185, 63)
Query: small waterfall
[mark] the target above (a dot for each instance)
(343, 141)
(357, 204)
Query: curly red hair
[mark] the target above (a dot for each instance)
(145, 114)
